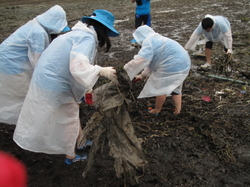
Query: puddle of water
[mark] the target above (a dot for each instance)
(165, 11)
(120, 21)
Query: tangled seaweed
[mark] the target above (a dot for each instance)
(226, 65)
(112, 121)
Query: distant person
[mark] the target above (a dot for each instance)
(166, 64)
(64, 74)
(142, 15)
(19, 54)
(215, 29)
(13, 173)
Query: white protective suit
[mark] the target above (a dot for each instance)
(49, 119)
(164, 60)
(18, 56)
(221, 31)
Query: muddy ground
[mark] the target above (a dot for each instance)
(207, 145)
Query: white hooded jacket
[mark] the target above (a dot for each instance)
(49, 120)
(164, 60)
(18, 57)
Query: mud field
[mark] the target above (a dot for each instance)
(207, 145)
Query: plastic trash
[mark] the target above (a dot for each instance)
(206, 98)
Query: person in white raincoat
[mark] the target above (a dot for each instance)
(165, 62)
(215, 29)
(49, 120)
(18, 56)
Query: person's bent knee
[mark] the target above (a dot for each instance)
(209, 45)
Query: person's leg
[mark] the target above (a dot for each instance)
(177, 103)
(148, 20)
(208, 53)
(70, 157)
(73, 155)
(138, 20)
(159, 101)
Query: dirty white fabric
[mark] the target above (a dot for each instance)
(221, 31)
(18, 56)
(164, 60)
(49, 120)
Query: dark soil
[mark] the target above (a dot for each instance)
(208, 144)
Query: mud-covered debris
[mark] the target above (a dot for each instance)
(112, 120)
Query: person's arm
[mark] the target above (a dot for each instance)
(228, 36)
(82, 71)
(194, 38)
(191, 44)
(140, 61)
(226, 30)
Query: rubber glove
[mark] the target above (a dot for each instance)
(89, 97)
(109, 72)
(229, 51)
(138, 78)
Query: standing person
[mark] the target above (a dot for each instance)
(49, 120)
(215, 29)
(142, 15)
(165, 62)
(18, 57)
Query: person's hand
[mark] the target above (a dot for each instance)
(229, 51)
(88, 97)
(109, 72)
(138, 78)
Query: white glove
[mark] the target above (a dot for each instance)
(89, 91)
(229, 51)
(138, 78)
(109, 72)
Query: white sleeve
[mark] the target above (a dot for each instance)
(135, 66)
(192, 42)
(146, 72)
(229, 38)
(33, 57)
(82, 71)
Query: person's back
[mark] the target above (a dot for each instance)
(168, 53)
(18, 57)
(16, 48)
(55, 60)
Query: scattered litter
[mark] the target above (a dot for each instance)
(219, 93)
(206, 98)
(243, 92)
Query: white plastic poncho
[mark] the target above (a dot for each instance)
(18, 56)
(49, 119)
(221, 31)
(164, 60)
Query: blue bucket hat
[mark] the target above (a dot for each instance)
(105, 18)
